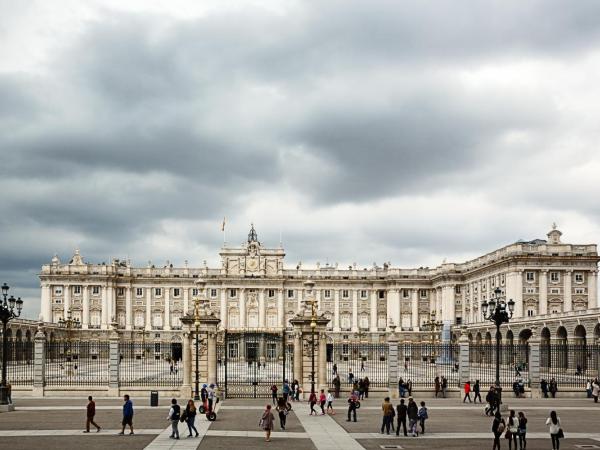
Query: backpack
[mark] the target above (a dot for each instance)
(176, 412)
(500, 427)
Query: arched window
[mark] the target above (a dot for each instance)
(139, 319)
(271, 319)
(253, 318)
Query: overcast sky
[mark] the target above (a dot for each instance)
(362, 132)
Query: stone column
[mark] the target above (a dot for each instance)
(592, 289)
(438, 301)
(186, 357)
(105, 318)
(242, 307)
(212, 355)
(224, 318)
(67, 297)
(336, 310)
(463, 364)
(186, 300)
(39, 363)
(432, 300)
(85, 317)
(167, 309)
(543, 294)
(128, 309)
(518, 294)
(298, 372)
(463, 303)
(280, 310)
(393, 307)
(534, 362)
(393, 364)
(114, 362)
(415, 310)
(354, 311)
(448, 312)
(567, 286)
(262, 310)
(300, 298)
(46, 310)
(373, 311)
(148, 308)
(322, 361)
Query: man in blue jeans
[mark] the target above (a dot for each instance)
(127, 415)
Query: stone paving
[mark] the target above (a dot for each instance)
(58, 423)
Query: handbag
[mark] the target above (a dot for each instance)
(508, 434)
(561, 433)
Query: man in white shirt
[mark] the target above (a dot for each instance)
(174, 415)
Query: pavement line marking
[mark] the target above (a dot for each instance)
(258, 434)
(162, 441)
(82, 406)
(103, 432)
(440, 408)
(465, 435)
(326, 434)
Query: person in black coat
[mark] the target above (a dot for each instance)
(412, 410)
(402, 411)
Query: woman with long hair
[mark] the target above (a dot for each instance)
(266, 422)
(522, 431)
(190, 417)
(513, 429)
(282, 410)
(555, 429)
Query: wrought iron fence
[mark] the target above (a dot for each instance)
(248, 364)
(571, 365)
(355, 360)
(19, 363)
(514, 363)
(421, 363)
(77, 363)
(150, 364)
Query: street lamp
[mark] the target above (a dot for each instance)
(311, 301)
(198, 303)
(7, 313)
(499, 312)
(69, 323)
(433, 326)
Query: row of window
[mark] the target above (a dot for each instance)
(554, 277)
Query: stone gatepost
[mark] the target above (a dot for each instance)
(393, 363)
(463, 359)
(39, 362)
(186, 387)
(114, 362)
(598, 359)
(534, 363)
(298, 373)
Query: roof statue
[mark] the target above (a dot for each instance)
(252, 236)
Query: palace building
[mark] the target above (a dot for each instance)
(549, 281)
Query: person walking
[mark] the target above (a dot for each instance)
(293, 391)
(352, 406)
(266, 422)
(174, 416)
(367, 384)
(477, 392)
(444, 386)
(312, 399)
(190, 417)
(90, 413)
(322, 400)
(298, 390)
(274, 394)
(490, 399)
(467, 389)
(588, 388)
(127, 415)
(335, 372)
(401, 387)
(282, 411)
(402, 412)
(437, 387)
(544, 387)
(387, 415)
(330, 398)
(413, 416)
(513, 429)
(423, 416)
(553, 387)
(337, 383)
(285, 390)
(595, 390)
(498, 426)
(522, 431)
(556, 431)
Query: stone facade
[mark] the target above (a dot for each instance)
(553, 284)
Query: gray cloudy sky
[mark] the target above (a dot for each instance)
(362, 131)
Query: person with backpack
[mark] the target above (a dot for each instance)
(423, 416)
(556, 431)
(402, 412)
(522, 431)
(283, 412)
(387, 415)
(312, 399)
(467, 389)
(90, 413)
(285, 390)
(127, 415)
(190, 417)
(498, 427)
(174, 416)
(490, 398)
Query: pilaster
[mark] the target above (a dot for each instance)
(534, 362)
(39, 362)
(463, 363)
(393, 363)
(114, 360)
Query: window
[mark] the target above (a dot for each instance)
(381, 294)
(290, 293)
(554, 277)
(213, 293)
(578, 278)
(271, 350)
(95, 290)
(271, 293)
(345, 293)
(530, 276)
(327, 293)
(345, 322)
(530, 313)
(157, 292)
(195, 292)
(139, 319)
(58, 290)
(253, 319)
(363, 294)
(233, 350)
(121, 319)
(120, 292)
(95, 319)
(555, 291)
(364, 322)
(405, 293)
(232, 293)
(579, 291)
(139, 292)
(502, 279)
(176, 320)
(423, 293)
(381, 322)
(157, 347)
(176, 292)
(271, 320)
(58, 301)
(530, 290)
(157, 320)
(459, 321)
(77, 290)
(457, 289)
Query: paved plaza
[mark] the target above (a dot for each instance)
(58, 423)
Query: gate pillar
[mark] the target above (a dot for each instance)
(303, 348)
(186, 356)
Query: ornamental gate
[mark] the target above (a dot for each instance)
(249, 363)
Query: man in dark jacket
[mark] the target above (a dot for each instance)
(352, 406)
(413, 416)
(91, 412)
(127, 415)
(401, 408)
